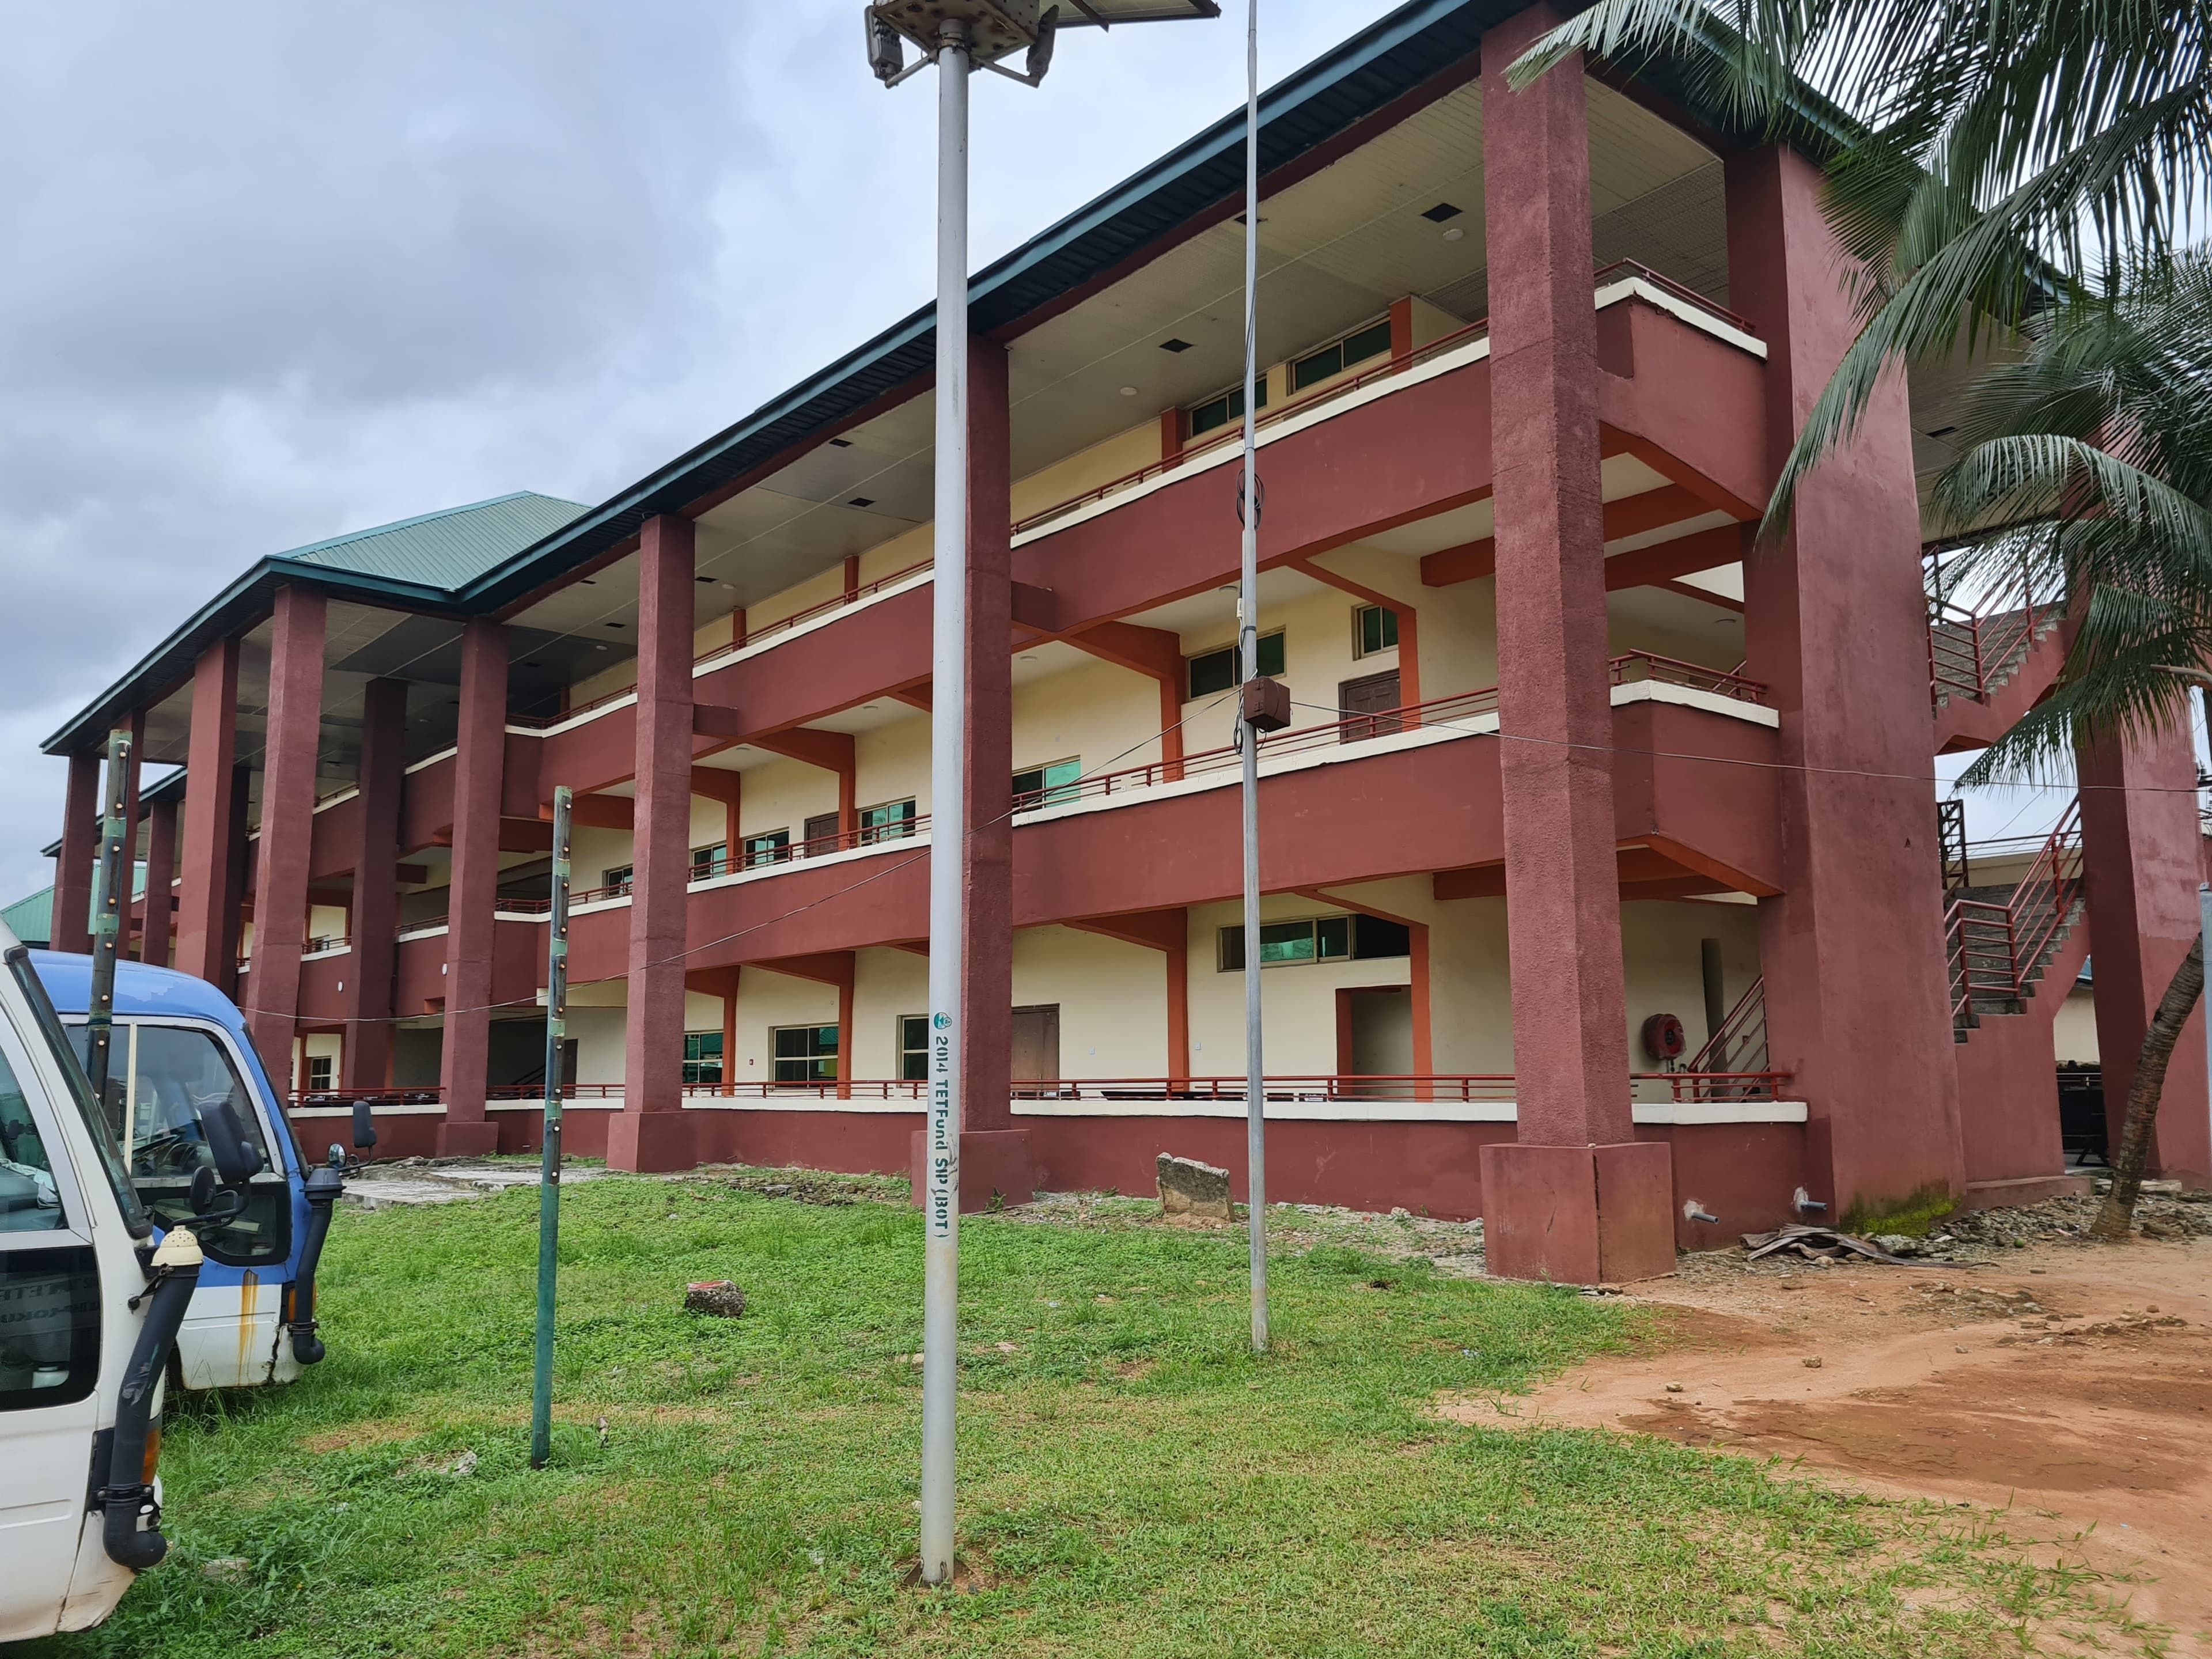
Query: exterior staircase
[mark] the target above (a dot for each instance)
(2001, 939)
(1992, 653)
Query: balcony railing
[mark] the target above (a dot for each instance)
(1643, 665)
(1233, 433)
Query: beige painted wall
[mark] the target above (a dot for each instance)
(2074, 1028)
(1112, 997)
(1106, 716)
(1661, 961)
(783, 794)
(1117, 457)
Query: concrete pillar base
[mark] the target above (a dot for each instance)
(467, 1139)
(651, 1143)
(2023, 1189)
(1579, 1215)
(993, 1163)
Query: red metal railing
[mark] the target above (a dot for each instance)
(1972, 648)
(1667, 285)
(1462, 1089)
(1996, 950)
(1646, 665)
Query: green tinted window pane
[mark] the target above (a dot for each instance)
(766, 849)
(791, 1043)
(1372, 341)
(1232, 950)
(914, 1047)
(1378, 629)
(1217, 671)
(1377, 937)
(1286, 941)
(710, 860)
(826, 1039)
(1311, 371)
(1206, 417)
(1271, 653)
(1332, 936)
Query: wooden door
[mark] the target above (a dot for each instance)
(821, 835)
(1368, 706)
(1035, 1047)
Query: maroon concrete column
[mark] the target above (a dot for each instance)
(288, 827)
(160, 877)
(1835, 623)
(478, 770)
(995, 1157)
(650, 1132)
(207, 896)
(72, 914)
(368, 996)
(1577, 1198)
(2142, 852)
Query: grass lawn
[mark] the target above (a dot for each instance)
(1134, 1482)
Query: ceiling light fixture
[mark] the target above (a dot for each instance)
(1128, 391)
(1456, 233)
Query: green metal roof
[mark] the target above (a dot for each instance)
(31, 920)
(414, 564)
(444, 550)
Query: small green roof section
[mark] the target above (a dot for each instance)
(444, 550)
(31, 920)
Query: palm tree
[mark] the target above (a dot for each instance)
(2012, 170)
(2092, 453)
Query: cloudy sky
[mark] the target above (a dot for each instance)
(281, 272)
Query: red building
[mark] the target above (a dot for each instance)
(1535, 359)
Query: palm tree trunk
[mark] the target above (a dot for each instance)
(2116, 1218)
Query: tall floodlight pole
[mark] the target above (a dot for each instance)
(958, 36)
(1248, 734)
(549, 1175)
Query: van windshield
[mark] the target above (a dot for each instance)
(163, 1080)
(34, 992)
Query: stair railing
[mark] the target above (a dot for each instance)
(1971, 646)
(1994, 951)
(1739, 1045)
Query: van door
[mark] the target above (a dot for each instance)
(51, 1315)
(164, 1075)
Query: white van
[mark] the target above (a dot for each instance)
(90, 1308)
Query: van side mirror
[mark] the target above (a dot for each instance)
(364, 1126)
(237, 1160)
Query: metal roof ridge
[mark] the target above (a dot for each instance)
(351, 537)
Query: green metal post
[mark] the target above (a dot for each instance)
(111, 892)
(549, 1191)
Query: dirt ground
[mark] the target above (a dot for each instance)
(2069, 1386)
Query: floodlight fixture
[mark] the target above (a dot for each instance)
(959, 36)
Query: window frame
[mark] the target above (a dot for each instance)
(1229, 417)
(1229, 942)
(618, 878)
(711, 860)
(1340, 346)
(1046, 792)
(1389, 625)
(813, 1059)
(47, 1123)
(770, 846)
(896, 829)
(697, 1060)
(1190, 664)
(908, 1054)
